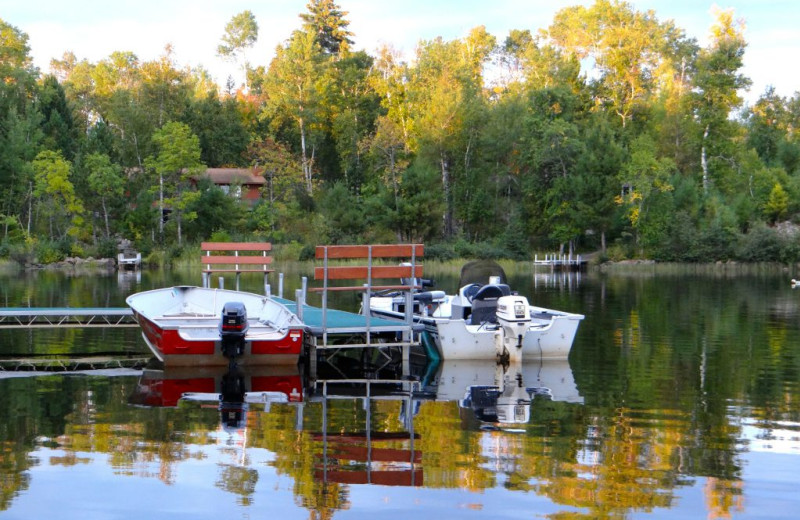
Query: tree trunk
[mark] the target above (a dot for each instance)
(306, 167)
(448, 211)
(704, 161)
(161, 205)
(105, 214)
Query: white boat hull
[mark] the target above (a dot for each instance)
(550, 339)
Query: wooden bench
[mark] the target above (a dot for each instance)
(336, 267)
(235, 257)
(409, 270)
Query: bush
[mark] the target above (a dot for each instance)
(308, 252)
(761, 244)
(442, 252)
(106, 248)
(220, 235)
(157, 258)
(48, 253)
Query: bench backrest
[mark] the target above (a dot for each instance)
(410, 269)
(242, 253)
(235, 257)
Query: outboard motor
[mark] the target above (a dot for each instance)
(232, 329)
(513, 318)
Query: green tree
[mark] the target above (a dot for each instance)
(57, 123)
(718, 82)
(177, 161)
(106, 181)
(241, 33)
(446, 98)
(295, 94)
(644, 176)
(326, 21)
(628, 49)
(219, 126)
(55, 195)
(777, 204)
(20, 125)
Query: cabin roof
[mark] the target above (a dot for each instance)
(243, 176)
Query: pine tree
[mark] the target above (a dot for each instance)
(327, 22)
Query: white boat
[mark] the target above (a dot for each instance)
(485, 320)
(196, 326)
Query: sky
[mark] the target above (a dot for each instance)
(93, 29)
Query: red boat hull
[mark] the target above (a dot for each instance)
(173, 350)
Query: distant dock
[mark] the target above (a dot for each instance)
(558, 262)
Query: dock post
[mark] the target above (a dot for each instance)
(221, 282)
(304, 286)
(300, 299)
(280, 285)
(365, 310)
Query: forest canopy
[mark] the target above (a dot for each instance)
(609, 130)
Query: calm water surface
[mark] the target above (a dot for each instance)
(681, 399)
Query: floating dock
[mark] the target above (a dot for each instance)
(50, 317)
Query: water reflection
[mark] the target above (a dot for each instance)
(680, 400)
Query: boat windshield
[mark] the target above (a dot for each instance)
(479, 271)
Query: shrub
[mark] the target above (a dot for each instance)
(220, 235)
(48, 253)
(442, 252)
(106, 248)
(761, 244)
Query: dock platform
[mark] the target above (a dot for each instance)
(558, 262)
(49, 317)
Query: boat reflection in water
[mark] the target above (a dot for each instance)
(502, 394)
(233, 388)
(356, 452)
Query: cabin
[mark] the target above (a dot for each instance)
(243, 183)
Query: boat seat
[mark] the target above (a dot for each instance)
(483, 311)
(491, 292)
(429, 296)
(469, 291)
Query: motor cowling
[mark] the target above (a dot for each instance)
(233, 328)
(513, 318)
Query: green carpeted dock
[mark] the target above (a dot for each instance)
(338, 321)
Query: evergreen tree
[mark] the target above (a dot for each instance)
(326, 21)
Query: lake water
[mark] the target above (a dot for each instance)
(681, 399)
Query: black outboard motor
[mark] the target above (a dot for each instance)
(232, 329)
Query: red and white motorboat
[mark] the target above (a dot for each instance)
(196, 326)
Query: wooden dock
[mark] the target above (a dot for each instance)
(558, 262)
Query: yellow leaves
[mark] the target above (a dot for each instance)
(633, 215)
(725, 27)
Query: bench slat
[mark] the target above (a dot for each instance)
(350, 272)
(215, 270)
(361, 288)
(378, 251)
(227, 260)
(236, 246)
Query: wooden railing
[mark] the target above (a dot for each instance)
(235, 257)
